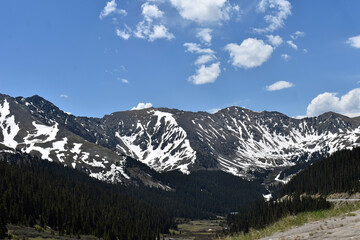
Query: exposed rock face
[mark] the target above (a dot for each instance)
(235, 140)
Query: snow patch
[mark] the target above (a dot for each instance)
(8, 126)
(170, 151)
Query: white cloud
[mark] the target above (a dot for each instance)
(250, 53)
(146, 29)
(196, 48)
(125, 80)
(124, 34)
(354, 41)
(280, 10)
(349, 104)
(206, 74)
(203, 59)
(160, 31)
(297, 34)
(142, 106)
(205, 11)
(293, 45)
(213, 110)
(204, 35)
(275, 40)
(64, 96)
(142, 30)
(286, 57)
(279, 86)
(150, 12)
(110, 8)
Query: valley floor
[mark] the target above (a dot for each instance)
(20, 232)
(196, 230)
(342, 227)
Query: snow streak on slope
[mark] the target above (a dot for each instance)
(235, 140)
(8, 126)
(170, 150)
(113, 175)
(256, 141)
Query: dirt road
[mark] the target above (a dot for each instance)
(343, 227)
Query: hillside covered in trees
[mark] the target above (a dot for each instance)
(34, 191)
(39, 192)
(199, 195)
(335, 174)
(259, 214)
(339, 173)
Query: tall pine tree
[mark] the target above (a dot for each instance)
(3, 220)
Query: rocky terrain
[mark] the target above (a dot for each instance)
(235, 140)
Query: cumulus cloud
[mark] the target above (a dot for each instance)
(204, 35)
(147, 29)
(196, 48)
(142, 106)
(64, 96)
(280, 10)
(150, 11)
(124, 80)
(286, 57)
(206, 74)
(250, 53)
(292, 44)
(275, 40)
(110, 8)
(213, 110)
(203, 59)
(297, 34)
(160, 31)
(279, 86)
(354, 41)
(150, 28)
(205, 11)
(348, 104)
(124, 34)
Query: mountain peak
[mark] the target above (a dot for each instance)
(235, 139)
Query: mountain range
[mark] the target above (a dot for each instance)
(235, 140)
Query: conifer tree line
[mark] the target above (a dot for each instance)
(260, 214)
(37, 191)
(34, 191)
(199, 195)
(3, 218)
(336, 174)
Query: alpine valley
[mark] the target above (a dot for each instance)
(251, 145)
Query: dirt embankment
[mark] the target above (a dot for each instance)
(342, 227)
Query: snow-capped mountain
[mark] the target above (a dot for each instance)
(234, 140)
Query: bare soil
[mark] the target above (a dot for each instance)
(343, 227)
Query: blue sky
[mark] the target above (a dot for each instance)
(92, 58)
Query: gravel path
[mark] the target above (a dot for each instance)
(343, 227)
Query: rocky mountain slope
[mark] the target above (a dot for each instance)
(235, 140)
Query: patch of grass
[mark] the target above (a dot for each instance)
(298, 220)
(196, 229)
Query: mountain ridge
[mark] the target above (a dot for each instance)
(234, 139)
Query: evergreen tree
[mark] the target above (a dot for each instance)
(3, 220)
(260, 213)
(335, 174)
(71, 202)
